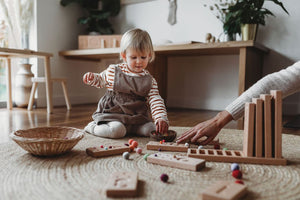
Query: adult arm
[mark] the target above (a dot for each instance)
(286, 80)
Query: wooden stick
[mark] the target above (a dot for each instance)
(258, 127)
(248, 141)
(277, 104)
(267, 124)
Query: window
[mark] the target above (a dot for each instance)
(16, 16)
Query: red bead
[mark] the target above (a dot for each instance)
(131, 147)
(130, 141)
(135, 144)
(217, 146)
(164, 178)
(239, 182)
(237, 174)
(101, 146)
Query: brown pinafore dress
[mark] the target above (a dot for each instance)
(127, 102)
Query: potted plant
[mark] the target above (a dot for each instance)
(245, 14)
(96, 14)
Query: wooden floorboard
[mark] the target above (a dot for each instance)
(80, 115)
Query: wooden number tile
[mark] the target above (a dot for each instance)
(176, 161)
(224, 190)
(166, 146)
(106, 151)
(122, 184)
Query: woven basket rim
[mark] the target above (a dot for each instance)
(78, 136)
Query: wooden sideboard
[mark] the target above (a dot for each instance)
(250, 58)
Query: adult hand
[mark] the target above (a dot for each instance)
(162, 126)
(88, 78)
(208, 129)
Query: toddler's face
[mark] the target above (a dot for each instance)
(136, 61)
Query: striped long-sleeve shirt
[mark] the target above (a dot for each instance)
(156, 103)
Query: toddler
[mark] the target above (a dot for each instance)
(131, 90)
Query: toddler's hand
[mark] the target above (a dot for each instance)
(88, 78)
(162, 126)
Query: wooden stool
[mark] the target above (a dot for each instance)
(37, 80)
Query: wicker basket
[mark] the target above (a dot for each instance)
(47, 141)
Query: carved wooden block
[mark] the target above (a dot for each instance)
(176, 161)
(224, 190)
(101, 152)
(122, 184)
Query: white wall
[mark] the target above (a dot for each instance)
(208, 82)
(57, 30)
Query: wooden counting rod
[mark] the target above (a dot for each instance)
(267, 124)
(277, 123)
(232, 156)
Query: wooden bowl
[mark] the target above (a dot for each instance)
(47, 141)
(168, 137)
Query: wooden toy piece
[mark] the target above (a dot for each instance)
(208, 37)
(268, 124)
(166, 146)
(216, 141)
(173, 146)
(258, 127)
(122, 184)
(108, 151)
(248, 142)
(224, 190)
(176, 161)
(277, 104)
(232, 156)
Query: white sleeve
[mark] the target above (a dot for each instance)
(286, 80)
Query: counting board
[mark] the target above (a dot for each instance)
(176, 161)
(166, 146)
(101, 152)
(232, 156)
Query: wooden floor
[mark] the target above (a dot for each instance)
(80, 115)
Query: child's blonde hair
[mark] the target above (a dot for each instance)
(138, 40)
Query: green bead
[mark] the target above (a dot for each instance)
(146, 156)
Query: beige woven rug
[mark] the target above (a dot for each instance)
(78, 176)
